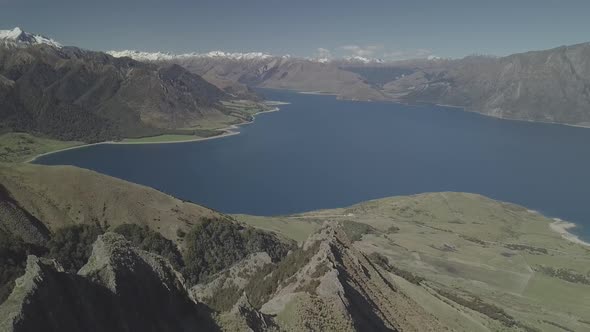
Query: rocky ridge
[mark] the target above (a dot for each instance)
(103, 295)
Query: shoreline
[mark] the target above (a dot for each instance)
(464, 109)
(227, 131)
(418, 103)
(321, 93)
(274, 103)
(561, 227)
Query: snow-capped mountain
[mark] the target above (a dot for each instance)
(362, 60)
(220, 55)
(161, 56)
(18, 37)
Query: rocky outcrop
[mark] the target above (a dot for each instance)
(326, 285)
(121, 288)
(339, 289)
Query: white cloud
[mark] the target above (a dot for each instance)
(364, 51)
(323, 53)
(375, 51)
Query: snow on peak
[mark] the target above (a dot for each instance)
(11, 34)
(18, 37)
(361, 59)
(160, 56)
(235, 56)
(143, 56)
(221, 55)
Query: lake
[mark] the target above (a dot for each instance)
(319, 152)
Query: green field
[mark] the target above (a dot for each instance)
(19, 147)
(289, 227)
(237, 112)
(246, 106)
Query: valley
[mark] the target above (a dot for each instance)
(543, 86)
(247, 191)
(320, 152)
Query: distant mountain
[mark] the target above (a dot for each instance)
(160, 56)
(74, 94)
(17, 37)
(230, 86)
(240, 70)
(546, 86)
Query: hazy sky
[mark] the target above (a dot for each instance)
(387, 29)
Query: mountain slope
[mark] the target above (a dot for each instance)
(73, 94)
(63, 196)
(547, 86)
(236, 71)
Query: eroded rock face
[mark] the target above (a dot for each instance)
(121, 288)
(340, 289)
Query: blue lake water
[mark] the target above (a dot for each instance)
(319, 152)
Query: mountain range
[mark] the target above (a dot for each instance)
(257, 69)
(82, 251)
(74, 94)
(546, 86)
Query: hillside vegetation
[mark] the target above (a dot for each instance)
(428, 262)
(19, 147)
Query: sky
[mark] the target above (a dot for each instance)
(377, 29)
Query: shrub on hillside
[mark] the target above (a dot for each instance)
(216, 244)
(266, 281)
(355, 230)
(71, 246)
(144, 238)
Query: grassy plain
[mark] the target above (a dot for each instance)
(19, 147)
